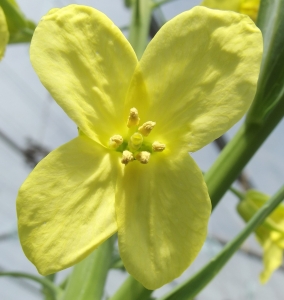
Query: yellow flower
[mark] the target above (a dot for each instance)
(270, 234)
(248, 7)
(4, 33)
(129, 169)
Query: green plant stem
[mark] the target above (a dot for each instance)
(131, 290)
(194, 285)
(140, 24)
(161, 2)
(54, 291)
(238, 152)
(88, 277)
(237, 193)
(14, 14)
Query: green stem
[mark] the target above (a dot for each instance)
(194, 285)
(131, 290)
(140, 24)
(238, 152)
(13, 14)
(88, 277)
(237, 193)
(54, 291)
(161, 2)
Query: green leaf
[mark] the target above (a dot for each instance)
(194, 285)
(53, 291)
(271, 81)
(88, 277)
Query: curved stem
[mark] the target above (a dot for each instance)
(51, 287)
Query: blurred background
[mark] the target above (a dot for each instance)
(32, 124)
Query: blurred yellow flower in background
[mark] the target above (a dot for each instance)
(248, 7)
(4, 33)
(270, 234)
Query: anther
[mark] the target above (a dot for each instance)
(135, 141)
(143, 157)
(146, 128)
(158, 147)
(133, 119)
(115, 141)
(127, 157)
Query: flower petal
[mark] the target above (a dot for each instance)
(199, 76)
(66, 206)
(272, 259)
(4, 34)
(162, 212)
(86, 64)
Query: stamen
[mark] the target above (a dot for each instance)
(135, 141)
(158, 147)
(146, 128)
(143, 157)
(115, 141)
(133, 119)
(127, 156)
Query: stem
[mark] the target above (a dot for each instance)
(140, 24)
(14, 14)
(161, 2)
(131, 290)
(238, 152)
(237, 193)
(50, 286)
(194, 285)
(88, 277)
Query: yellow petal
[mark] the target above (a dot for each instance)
(233, 5)
(86, 64)
(197, 76)
(162, 212)
(66, 206)
(4, 34)
(272, 259)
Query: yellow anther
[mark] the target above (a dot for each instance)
(143, 157)
(146, 128)
(158, 147)
(127, 156)
(133, 119)
(115, 141)
(135, 141)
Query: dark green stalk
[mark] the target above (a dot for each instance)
(238, 152)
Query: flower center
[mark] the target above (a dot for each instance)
(135, 146)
